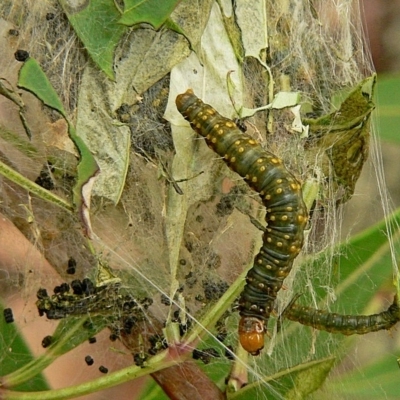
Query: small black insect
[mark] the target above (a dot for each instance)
(71, 269)
(89, 360)
(92, 340)
(13, 32)
(8, 315)
(205, 355)
(47, 341)
(21, 55)
(286, 215)
(103, 369)
(344, 324)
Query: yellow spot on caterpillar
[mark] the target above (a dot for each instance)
(289, 208)
(287, 237)
(267, 197)
(220, 132)
(279, 244)
(204, 117)
(272, 218)
(269, 240)
(268, 266)
(233, 159)
(241, 149)
(279, 191)
(230, 124)
(279, 181)
(254, 179)
(251, 141)
(284, 218)
(262, 169)
(260, 160)
(275, 160)
(214, 140)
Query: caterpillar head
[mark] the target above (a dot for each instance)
(251, 334)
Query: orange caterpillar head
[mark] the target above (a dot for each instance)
(251, 334)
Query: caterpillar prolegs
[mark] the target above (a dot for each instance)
(286, 214)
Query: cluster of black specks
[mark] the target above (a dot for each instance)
(62, 289)
(214, 290)
(71, 268)
(157, 342)
(240, 124)
(8, 315)
(45, 179)
(225, 206)
(124, 113)
(205, 355)
(190, 279)
(184, 326)
(140, 359)
(228, 201)
(165, 300)
(128, 323)
(47, 341)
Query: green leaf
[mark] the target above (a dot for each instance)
(364, 261)
(15, 354)
(388, 115)
(380, 379)
(293, 384)
(154, 12)
(97, 27)
(32, 78)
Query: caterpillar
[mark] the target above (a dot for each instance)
(286, 213)
(344, 324)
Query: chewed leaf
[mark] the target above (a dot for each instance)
(35, 80)
(96, 26)
(32, 78)
(154, 12)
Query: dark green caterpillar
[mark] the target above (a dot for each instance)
(344, 324)
(286, 214)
